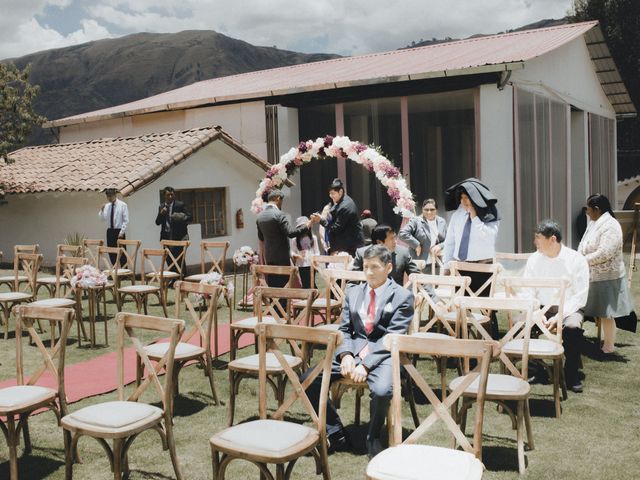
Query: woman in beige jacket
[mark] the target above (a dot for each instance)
(608, 288)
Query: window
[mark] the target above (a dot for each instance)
(208, 207)
(602, 156)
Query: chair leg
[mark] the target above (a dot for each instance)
(232, 396)
(24, 422)
(172, 448)
(12, 441)
(215, 462)
(209, 372)
(527, 423)
(556, 387)
(118, 444)
(520, 437)
(68, 455)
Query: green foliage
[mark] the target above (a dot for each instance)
(74, 238)
(17, 117)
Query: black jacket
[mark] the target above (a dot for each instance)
(275, 229)
(180, 218)
(345, 229)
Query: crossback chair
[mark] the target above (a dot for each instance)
(511, 265)
(338, 281)
(19, 275)
(272, 306)
(111, 269)
(50, 282)
(276, 441)
(176, 256)
(65, 269)
(513, 385)
(403, 459)
(124, 419)
(29, 263)
(91, 250)
(548, 348)
(129, 254)
(152, 261)
(203, 324)
(27, 396)
(214, 253)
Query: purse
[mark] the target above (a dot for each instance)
(628, 322)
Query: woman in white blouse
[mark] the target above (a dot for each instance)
(608, 288)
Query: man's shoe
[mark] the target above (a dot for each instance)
(374, 447)
(577, 387)
(339, 441)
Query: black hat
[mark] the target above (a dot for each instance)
(336, 184)
(110, 191)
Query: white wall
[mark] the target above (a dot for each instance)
(496, 157)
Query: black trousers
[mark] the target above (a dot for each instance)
(477, 280)
(112, 241)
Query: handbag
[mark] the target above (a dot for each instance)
(628, 322)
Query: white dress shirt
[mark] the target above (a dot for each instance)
(482, 238)
(120, 217)
(364, 308)
(433, 231)
(569, 264)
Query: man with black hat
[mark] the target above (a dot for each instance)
(116, 214)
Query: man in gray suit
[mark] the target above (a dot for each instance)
(400, 259)
(275, 229)
(370, 311)
(424, 234)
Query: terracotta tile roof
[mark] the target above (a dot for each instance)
(124, 163)
(490, 53)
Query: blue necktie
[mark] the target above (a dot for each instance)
(464, 240)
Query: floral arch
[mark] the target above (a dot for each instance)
(339, 148)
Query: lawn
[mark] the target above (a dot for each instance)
(596, 437)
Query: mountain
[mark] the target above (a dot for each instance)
(103, 73)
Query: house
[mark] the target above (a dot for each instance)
(56, 190)
(531, 113)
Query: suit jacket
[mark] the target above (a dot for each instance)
(393, 316)
(416, 233)
(402, 263)
(180, 218)
(345, 229)
(275, 229)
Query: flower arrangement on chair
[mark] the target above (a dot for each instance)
(214, 278)
(88, 276)
(245, 256)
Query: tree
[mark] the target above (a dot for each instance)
(17, 117)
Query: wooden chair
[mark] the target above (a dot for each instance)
(404, 460)
(26, 397)
(548, 348)
(203, 326)
(51, 282)
(268, 309)
(259, 275)
(111, 270)
(276, 441)
(91, 250)
(29, 263)
(65, 269)
(214, 253)
(123, 420)
(129, 253)
(19, 274)
(502, 388)
(176, 256)
(152, 278)
(511, 265)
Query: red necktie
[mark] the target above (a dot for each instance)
(371, 312)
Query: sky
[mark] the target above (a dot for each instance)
(345, 27)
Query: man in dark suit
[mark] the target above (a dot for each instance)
(371, 310)
(173, 217)
(400, 258)
(275, 229)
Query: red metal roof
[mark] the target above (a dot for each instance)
(473, 55)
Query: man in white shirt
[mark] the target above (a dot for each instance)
(116, 215)
(554, 260)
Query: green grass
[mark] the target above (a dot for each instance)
(596, 437)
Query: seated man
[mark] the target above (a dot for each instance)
(554, 260)
(371, 310)
(400, 258)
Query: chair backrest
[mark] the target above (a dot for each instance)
(455, 286)
(402, 348)
(130, 250)
(29, 265)
(521, 328)
(270, 337)
(35, 248)
(436, 264)
(259, 272)
(277, 303)
(339, 281)
(66, 268)
(128, 326)
(553, 291)
(511, 265)
(321, 263)
(53, 358)
(91, 250)
(105, 264)
(153, 265)
(214, 253)
(487, 288)
(63, 250)
(201, 321)
(176, 260)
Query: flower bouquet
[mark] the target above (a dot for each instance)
(87, 277)
(214, 278)
(245, 256)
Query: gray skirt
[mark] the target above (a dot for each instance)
(609, 298)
